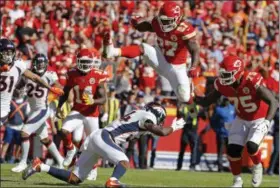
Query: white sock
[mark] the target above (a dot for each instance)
(237, 177)
(44, 168)
(55, 153)
(112, 51)
(25, 145)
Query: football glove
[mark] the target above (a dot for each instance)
(264, 126)
(60, 113)
(104, 118)
(87, 99)
(57, 91)
(4, 68)
(178, 124)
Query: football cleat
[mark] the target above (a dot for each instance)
(237, 182)
(92, 175)
(32, 168)
(114, 182)
(257, 175)
(19, 168)
(69, 157)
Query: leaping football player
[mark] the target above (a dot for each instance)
(255, 108)
(175, 39)
(36, 120)
(11, 71)
(88, 84)
(105, 143)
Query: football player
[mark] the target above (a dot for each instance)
(105, 143)
(10, 73)
(175, 38)
(88, 84)
(36, 120)
(255, 107)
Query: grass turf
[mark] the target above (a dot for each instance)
(136, 178)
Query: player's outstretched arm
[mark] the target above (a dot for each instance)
(193, 47)
(268, 97)
(211, 98)
(61, 101)
(35, 78)
(164, 131)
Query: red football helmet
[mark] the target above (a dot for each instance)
(88, 59)
(231, 70)
(169, 16)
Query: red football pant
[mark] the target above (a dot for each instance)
(236, 166)
(256, 158)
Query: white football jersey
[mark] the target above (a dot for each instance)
(8, 81)
(130, 126)
(37, 94)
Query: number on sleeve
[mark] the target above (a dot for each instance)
(182, 27)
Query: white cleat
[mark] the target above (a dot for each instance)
(257, 175)
(69, 157)
(20, 167)
(237, 182)
(92, 175)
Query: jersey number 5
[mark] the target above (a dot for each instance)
(244, 102)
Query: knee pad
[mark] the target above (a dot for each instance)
(234, 150)
(252, 147)
(183, 93)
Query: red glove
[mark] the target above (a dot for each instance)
(57, 91)
(4, 68)
(194, 72)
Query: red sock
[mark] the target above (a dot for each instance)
(131, 51)
(257, 157)
(67, 141)
(236, 167)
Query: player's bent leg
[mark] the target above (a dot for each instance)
(37, 166)
(118, 172)
(234, 153)
(183, 93)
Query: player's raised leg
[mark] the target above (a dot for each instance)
(73, 121)
(33, 123)
(256, 135)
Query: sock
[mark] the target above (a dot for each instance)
(119, 171)
(61, 174)
(235, 166)
(55, 153)
(25, 145)
(256, 158)
(131, 51)
(67, 141)
(45, 168)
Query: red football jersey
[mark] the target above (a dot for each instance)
(247, 103)
(88, 84)
(172, 44)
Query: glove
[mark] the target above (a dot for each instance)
(87, 99)
(264, 126)
(178, 124)
(104, 118)
(60, 114)
(193, 72)
(136, 18)
(57, 91)
(4, 68)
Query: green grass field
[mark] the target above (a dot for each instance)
(137, 178)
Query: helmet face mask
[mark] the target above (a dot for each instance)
(39, 64)
(86, 61)
(227, 78)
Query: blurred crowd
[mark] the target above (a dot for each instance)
(59, 29)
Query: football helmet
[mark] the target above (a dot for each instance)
(7, 52)
(39, 64)
(87, 60)
(158, 110)
(169, 16)
(231, 70)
